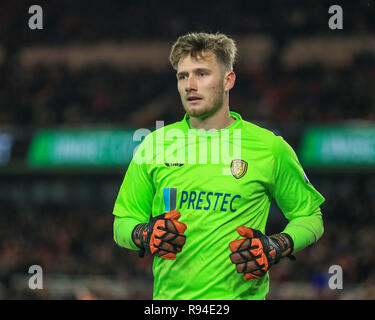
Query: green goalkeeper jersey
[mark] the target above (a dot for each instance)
(218, 180)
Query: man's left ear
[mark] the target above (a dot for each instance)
(230, 78)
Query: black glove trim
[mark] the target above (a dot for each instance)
(291, 246)
(136, 234)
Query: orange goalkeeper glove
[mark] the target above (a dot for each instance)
(256, 253)
(162, 236)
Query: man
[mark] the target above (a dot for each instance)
(200, 210)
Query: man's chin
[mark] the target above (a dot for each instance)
(195, 111)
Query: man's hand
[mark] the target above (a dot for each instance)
(162, 236)
(256, 253)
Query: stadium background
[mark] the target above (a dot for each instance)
(102, 66)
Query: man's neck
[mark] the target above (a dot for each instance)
(217, 121)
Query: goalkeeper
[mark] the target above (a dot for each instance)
(202, 211)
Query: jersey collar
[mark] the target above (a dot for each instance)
(235, 115)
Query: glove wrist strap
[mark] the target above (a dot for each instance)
(286, 244)
(137, 238)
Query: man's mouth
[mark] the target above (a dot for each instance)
(194, 99)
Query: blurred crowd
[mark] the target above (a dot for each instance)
(55, 96)
(73, 243)
(58, 96)
(68, 21)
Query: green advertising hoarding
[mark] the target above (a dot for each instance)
(82, 148)
(329, 146)
(338, 146)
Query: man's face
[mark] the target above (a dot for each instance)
(201, 84)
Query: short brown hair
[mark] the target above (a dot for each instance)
(195, 43)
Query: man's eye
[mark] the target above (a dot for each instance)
(181, 77)
(202, 74)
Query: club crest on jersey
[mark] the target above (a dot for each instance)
(238, 168)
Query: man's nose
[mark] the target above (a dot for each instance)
(191, 84)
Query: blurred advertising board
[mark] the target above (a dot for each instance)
(338, 146)
(324, 146)
(82, 148)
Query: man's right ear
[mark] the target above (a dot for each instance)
(230, 78)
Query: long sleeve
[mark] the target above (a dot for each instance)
(122, 232)
(305, 230)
